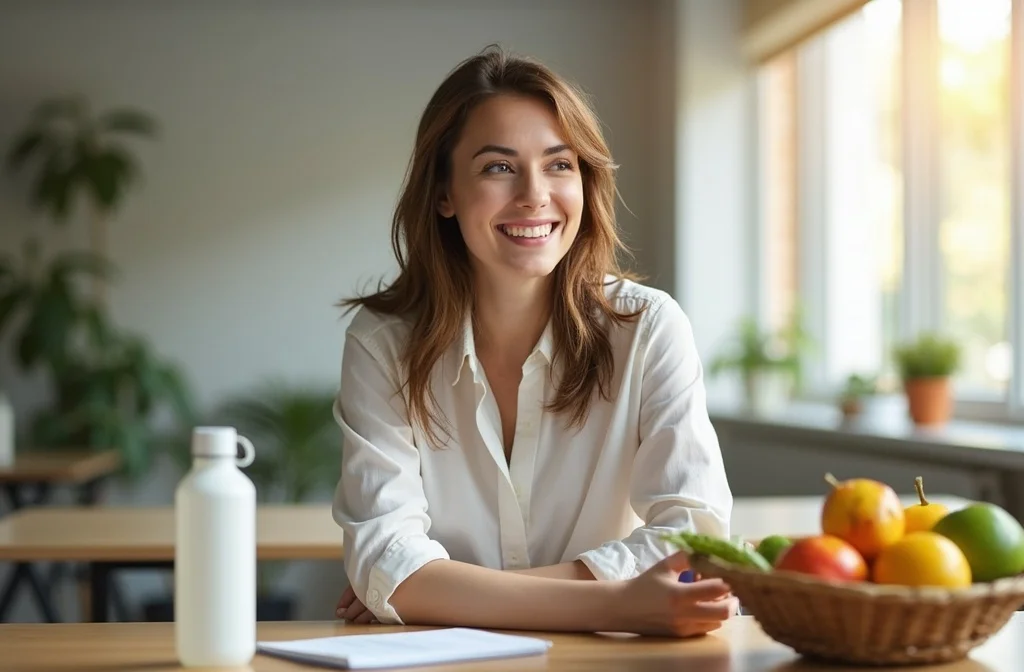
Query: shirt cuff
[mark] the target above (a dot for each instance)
(400, 559)
(610, 562)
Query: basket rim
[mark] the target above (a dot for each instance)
(703, 563)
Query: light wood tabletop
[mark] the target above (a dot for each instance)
(109, 534)
(739, 646)
(59, 466)
(289, 532)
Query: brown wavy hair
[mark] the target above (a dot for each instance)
(434, 287)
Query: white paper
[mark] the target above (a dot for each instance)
(404, 649)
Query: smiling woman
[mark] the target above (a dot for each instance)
(523, 423)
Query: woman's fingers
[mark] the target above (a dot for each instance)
(347, 598)
(720, 610)
(704, 590)
(354, 611)
(364, 618)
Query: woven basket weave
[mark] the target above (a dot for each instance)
(866, 623)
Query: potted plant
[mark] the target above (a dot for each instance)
(768, 363)
(298, 454)
(107, 383)
(856, 389)
(926, 365)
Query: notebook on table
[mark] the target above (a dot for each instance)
(404, 649)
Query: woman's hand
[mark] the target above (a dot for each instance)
(656, 603)
(352, 610)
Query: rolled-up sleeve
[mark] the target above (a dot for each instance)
(678, 479)
(379, 501)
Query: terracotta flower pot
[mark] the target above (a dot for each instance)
(929, 400)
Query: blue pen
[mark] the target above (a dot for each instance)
(686, 577)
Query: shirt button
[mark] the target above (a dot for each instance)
(374, 596)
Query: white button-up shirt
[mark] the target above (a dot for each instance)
(645, 463)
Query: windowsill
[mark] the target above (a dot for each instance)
(882, 428)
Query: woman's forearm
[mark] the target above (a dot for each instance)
(446, 592)
(575, 570)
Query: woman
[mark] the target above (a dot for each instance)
(522, 422)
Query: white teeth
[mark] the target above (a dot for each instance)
(528, 231)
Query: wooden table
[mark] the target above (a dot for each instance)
(739, 646)
(114, 538)
(29, 481)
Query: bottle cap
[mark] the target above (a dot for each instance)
(214, 442)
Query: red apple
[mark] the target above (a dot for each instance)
(824, 556)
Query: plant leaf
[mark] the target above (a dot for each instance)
(128, 121)
(25, 145)
(81, 262)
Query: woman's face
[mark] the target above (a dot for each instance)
(515, 189)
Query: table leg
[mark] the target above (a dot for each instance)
(104, 591)
(99, 588)
(18, 498)
(23, 572)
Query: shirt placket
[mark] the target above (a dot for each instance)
(515, 504)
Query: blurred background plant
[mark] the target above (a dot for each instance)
(857, 388)
(108, 385)
(768, 362)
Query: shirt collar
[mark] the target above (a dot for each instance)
(465, 349)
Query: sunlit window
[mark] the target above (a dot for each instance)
(974, 209)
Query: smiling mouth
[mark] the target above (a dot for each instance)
(540, 231)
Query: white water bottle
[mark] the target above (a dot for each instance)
(7, 432)
(215, 554)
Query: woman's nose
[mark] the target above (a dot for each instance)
(533, 191)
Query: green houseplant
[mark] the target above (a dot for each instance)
(856, 389)
(769, 363)
(107, 383)
(81, 159)
(926, 365)
(298, 455)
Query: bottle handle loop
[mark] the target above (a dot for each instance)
(249, 453)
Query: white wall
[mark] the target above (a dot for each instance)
(715, 166)
(286, 130)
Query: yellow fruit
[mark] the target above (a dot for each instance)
(866, 514)
(923, 516)
(923, 559)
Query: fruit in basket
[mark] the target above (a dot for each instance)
(923, 559)
(863, 512)
(923, 516)
(723, 549)
(824, 556)
(990, 537)
(772, 547)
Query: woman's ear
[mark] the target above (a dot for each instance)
(444, 206)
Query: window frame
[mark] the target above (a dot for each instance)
(921, 292)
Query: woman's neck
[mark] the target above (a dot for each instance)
(509, 318)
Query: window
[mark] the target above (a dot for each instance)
(974, 207)
(886, 181)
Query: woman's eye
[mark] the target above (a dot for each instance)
(497, 167)
(563, 165)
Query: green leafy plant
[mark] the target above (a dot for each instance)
(108, 385)
(80, 155)
(929, 355)
(754, 350)
(858, 386)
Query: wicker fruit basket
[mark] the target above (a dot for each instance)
(866, 623)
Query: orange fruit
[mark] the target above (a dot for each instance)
(923, 559)
(865, 513)
(923, 516)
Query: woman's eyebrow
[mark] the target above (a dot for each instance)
(508, 151)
